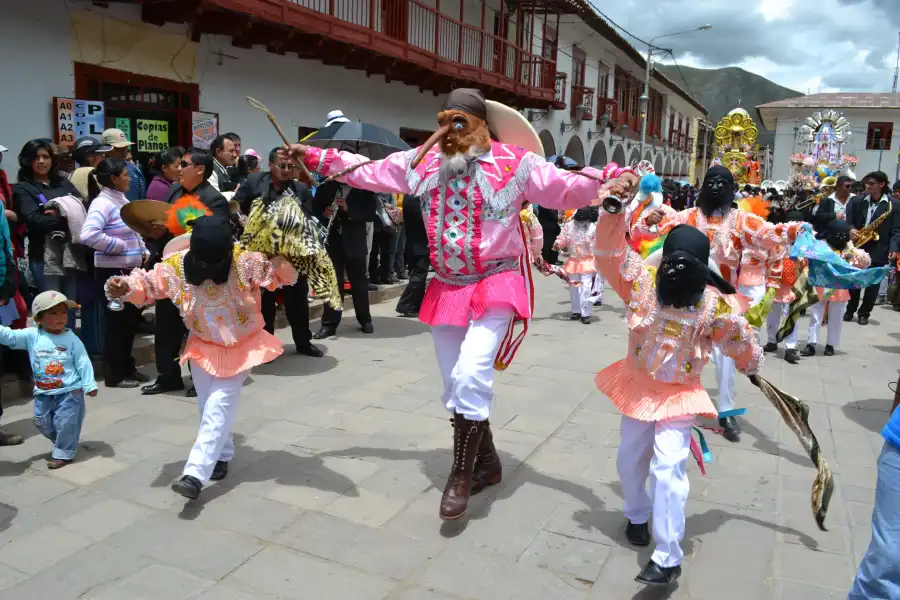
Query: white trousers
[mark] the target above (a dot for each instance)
(217, 399)
(597, 290)
(725, 369)
(835, 322)
(465, 357)
(582, 302)
(658, 451)
(780, 312)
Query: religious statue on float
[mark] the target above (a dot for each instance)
(736, 147)
(823, 135)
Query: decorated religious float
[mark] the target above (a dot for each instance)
(823, 135)
(736, 147)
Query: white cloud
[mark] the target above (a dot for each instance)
(806, 45)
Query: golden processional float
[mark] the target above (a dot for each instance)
(736, 148)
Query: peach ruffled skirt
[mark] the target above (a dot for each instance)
(639, 396)
(580, 266)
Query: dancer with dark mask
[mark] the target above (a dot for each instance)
(577, 238)
(678, 308)
(833, 302)
(215, 284)
(730, 231)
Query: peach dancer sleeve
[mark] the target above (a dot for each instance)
(737, 339)
(621, 267)
(145, 287)
(755, 232)
(860, 259)
(258, 271)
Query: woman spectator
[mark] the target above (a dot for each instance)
(247, 165)
(166, 170)
(118, 251)
(40, 182)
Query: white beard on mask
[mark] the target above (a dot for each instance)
(458, 164)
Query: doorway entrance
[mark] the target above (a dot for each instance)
(155, 113)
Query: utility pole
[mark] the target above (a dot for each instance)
(897, 67)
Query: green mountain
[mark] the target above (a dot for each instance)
(721, 90)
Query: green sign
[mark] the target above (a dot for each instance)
(125, 125)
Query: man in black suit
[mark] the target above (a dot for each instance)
(834, 206)
(862, 210)
(417, 255)
(268, 187)
(347, 248)
(197, 167)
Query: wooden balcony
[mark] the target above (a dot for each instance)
(583, 98)
(403, 40)
(606, 107)
(559, 95)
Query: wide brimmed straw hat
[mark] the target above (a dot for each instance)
(142, 215)
(511, 127)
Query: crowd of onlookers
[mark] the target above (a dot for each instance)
(62, 228)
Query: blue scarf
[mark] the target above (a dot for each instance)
(828, 270)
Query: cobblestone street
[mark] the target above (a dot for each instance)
(340, 463)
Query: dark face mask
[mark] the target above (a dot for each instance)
(680, 282)
(838, 240)
(583, 214)
(717, 193)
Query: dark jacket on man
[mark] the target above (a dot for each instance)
(260, 185)
(416, 234)
(349, 229)
(888, 231)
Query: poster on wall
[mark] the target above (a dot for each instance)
(125, 125)
(77, 118)
(152, 135)
(204, 128)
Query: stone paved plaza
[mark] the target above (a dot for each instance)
(340, 464)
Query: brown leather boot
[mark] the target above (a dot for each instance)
(466, 440)
(488, 470)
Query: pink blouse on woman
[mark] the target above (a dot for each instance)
(225, 325)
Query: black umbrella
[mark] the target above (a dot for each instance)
(362, 138)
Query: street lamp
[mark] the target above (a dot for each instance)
(645, 97)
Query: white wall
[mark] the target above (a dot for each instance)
(34, 67)
(859, 119)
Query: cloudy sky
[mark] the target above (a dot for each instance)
(807, 45)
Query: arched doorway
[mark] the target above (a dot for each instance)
(648, 156)
(658, 165)
(635, 157)
(599, 157)
(667, 171)
(548, 143)
(618, 155)
(575, 150)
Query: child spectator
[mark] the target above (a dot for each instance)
(62, 374)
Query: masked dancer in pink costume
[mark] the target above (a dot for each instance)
(577, 238)
(678, 307)
(472, 189)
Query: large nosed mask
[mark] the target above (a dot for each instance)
(459, 132)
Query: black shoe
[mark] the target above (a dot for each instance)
(408, 314)
(791, 356)
(389, 280)
(219, 471)
(367, 327)
(373, 287)
(575, 317)
(10, 439)
(161, 388)
(863, 320)
(192, 393)
(403, 276)
(810, 350)
(309, 350)
(731, 431)
(848, 317)
(124, 383)
(598, 302)
(188, 486)
(139, 377)
(770, 347)
(829, 350)
(586, 320)
(324, 332)
(638, 535)
(653, 574)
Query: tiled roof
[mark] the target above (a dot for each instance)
(839, 100)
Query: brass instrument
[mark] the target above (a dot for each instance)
(869, 233)
(810, 202)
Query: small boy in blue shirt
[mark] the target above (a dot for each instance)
(62, 373)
